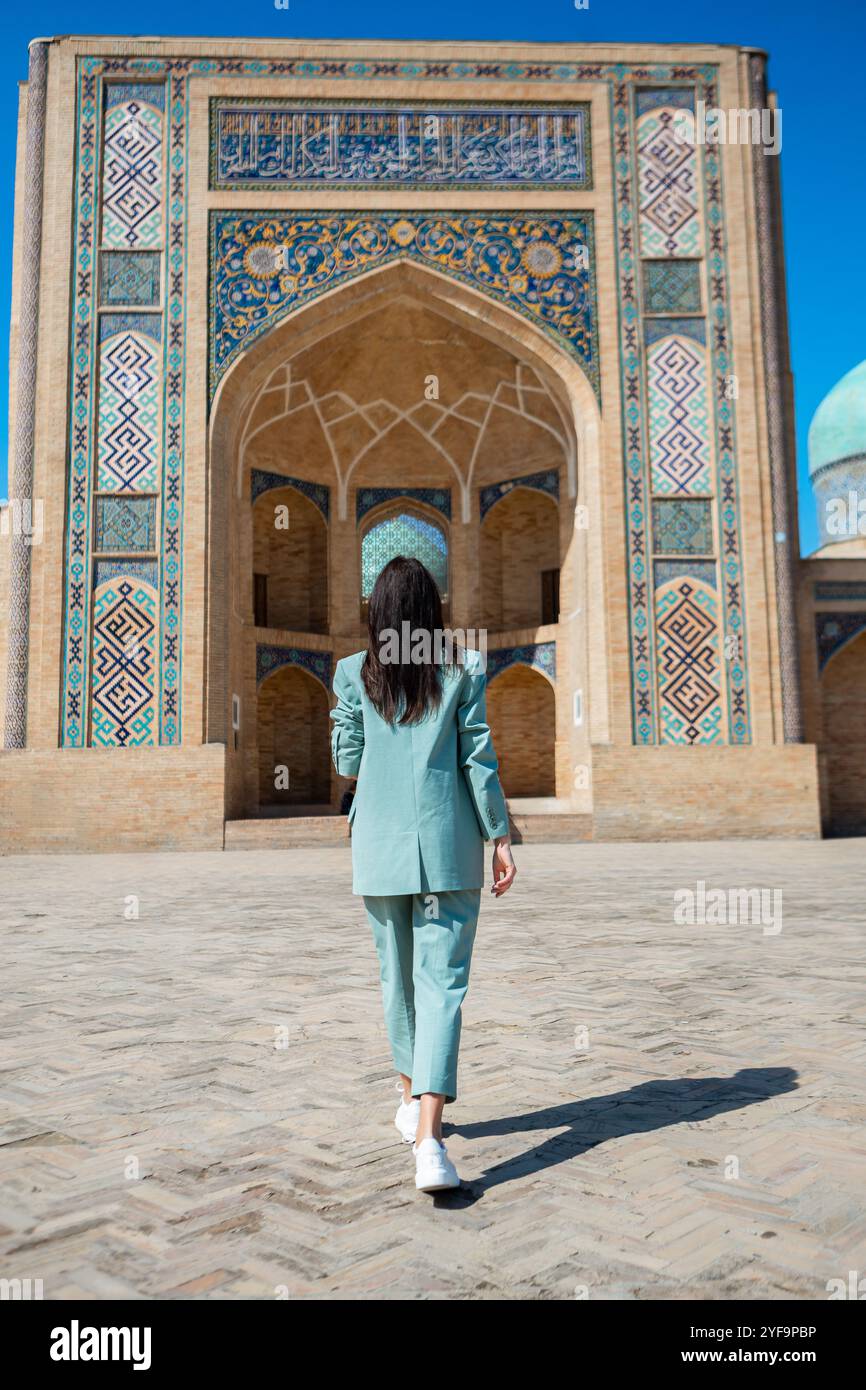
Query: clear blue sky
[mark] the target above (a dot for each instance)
(816, 64)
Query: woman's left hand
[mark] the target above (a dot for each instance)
(504, 867)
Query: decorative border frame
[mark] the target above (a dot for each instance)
(621, 79)
(329, 104)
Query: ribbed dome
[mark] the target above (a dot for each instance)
(838, 428)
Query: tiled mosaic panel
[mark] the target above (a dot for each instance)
(366, 498)
(129, 404)
(666, 570)
(539, 655)
(262, 481)
(129, 278)
(408, 535)
(669, 210)
(672, 287)
(123, 703)
(689, 675)
(834, 630)
(841, 590)
(270, 658)
(274, 144)
(546, 481)
(125, 524)
(263, 266)
(132, 199)
(682, 527)
(679, 425)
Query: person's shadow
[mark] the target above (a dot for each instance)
(651, 1105)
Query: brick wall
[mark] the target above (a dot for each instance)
(110, 799)
(705, 793)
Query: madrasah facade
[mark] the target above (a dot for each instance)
(282, 310)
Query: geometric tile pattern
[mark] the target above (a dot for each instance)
(690, 708)
(576, 1083)
(682, 527)
(672, 287)
(366, 498)
(678, 417)
(541, 656)
(129, 278)
(657, 327)
(704, 570)
(129, 399)
(125, 523)
(265, 265)
(407, 534)
(123, 701)
(376, 145)
(171, 542)
(841, 590)
(546, 481)
(132, 178)
(270, 658)
(670, 223)
(318, 493)
(834, 630)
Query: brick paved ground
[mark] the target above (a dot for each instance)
(708, 1142)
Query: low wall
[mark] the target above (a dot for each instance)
(111, 799)
(706, 793)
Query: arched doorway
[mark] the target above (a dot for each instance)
(520, 561)
(406, 531)
(521, 712)
(843, 691)
(364, 443)
(293, 730)
(290, 562)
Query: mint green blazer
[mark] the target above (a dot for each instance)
(428, 794)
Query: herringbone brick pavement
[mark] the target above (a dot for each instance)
(197, 1096)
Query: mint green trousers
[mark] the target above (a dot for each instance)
(424, 943)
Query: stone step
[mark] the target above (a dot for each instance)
(285, 832)
(556, 828)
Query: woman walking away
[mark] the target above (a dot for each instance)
(412, 728)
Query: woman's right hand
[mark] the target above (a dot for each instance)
(504, 867)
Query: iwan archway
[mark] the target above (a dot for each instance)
(404, 395)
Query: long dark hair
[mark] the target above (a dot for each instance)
(403, 690)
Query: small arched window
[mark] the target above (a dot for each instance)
(405, 534)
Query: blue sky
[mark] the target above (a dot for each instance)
(823, 164)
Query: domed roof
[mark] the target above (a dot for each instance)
(838, 427)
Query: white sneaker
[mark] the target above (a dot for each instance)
(434, 1171)
(407, 1118)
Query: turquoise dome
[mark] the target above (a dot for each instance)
(838, 428)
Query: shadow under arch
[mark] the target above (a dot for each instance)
(335, 311)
